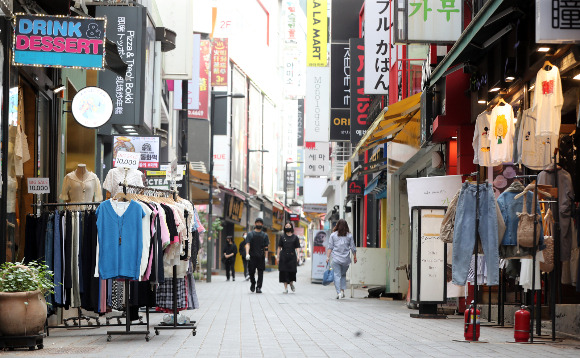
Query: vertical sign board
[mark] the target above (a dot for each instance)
(219, 62)
(557, 21)
(204, 65)
(300, 172)
(344, 25)
(255, 137)
(221, 159)
(428, 21)
(377, 25)
(193, 84)
(319, 245)
(317, 33)
(317, 111)
(289, 131)
(300, 133)
(59, 41)
(340, 76)
(339, 124)
(239, 131)
(290, 184)
(359, 103)
(429, 256)
(317, 159)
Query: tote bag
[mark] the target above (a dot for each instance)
(328, 277)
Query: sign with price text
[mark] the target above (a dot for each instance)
(127, 160)
(38, 186)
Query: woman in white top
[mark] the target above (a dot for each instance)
(340, 244)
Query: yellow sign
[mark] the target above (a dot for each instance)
(317, 36)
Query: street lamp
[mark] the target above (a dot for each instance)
(286, 185)
(210, 211)
(248, 183)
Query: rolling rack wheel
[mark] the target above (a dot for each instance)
(109, 338)
(147, 338)
(156, 332)
(193, 333)
(40, 346)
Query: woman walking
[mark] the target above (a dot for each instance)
(287, 257)
(340, 244)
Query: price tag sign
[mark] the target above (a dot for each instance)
(127, 160)
(38, 186)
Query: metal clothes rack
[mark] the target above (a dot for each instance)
(163, 325)
(80, 317)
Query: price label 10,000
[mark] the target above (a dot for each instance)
(127, 160)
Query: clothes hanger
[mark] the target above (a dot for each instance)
(547, 63)
(501, 100)
(120, 196)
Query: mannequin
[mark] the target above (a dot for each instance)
(120, 175)
(81, 171)
(81, 185)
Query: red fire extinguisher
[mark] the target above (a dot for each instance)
(469, 320)
(522, 325)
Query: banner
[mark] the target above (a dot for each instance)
(339, 124)
(300, 133)
(290, 184)
(340, 76)
(377, 27)
(202, 110)
(359, 103)
(317, 33)
(317, 159)
(319, 245)
(317, 111)
(221, 159)
(59, 41)
(219, 62)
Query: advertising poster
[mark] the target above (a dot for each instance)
(219, 62)
(319, 245)
(147, 146)
(202, 109)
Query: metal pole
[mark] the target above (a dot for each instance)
(285, 191)
(6, 37)
(210, 211)
(248, 186)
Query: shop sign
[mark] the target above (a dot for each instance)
(355, 187)
(317, 159)
(294, 217)
(317, 33)
(147, 146)
(92, 107)
(317, 111)
(290, 111)
(129, 160)
(59, 41)
(221, 159)
(234, 208)
(290, 184)
(557, 21)
(300, 134)
(290, 21)
(38, 185)
(161, 178)
(377, 43)
(340, 76)
(219, 62)
(202, 109)
(339, 124)
(428, 21)
(315, 208)
(300, 171)
(359, 102)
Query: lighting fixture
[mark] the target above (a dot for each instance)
(127, 126)
(131, 130)
(454, 138)
(59, 89)
(510, 79)
(494, 89)
(577, 77)
(543, 49)
(482, 101)
(532, 87)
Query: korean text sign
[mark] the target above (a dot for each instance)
(317, 33)
(317, 159)
(59, 41)
(429, 21)
(219, 62)
(147, 146)
(377, 44)
(202, 109)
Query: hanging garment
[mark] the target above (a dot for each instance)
(164, 296)
(481, 142)
(481, 270)
(526, 272)
(57, 240)
(548, 101)
(30, 244)
(548, 264)
(501, 134)
(118, 175)
(535, 150)
(568, 156)
(464, 232)
(21, 152)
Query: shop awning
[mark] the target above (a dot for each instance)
(376, 184)
(389, 123)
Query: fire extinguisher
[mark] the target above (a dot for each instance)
(469, 320)
(522, 325)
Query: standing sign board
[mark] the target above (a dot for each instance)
(147, 146)
(428, 21)
(377, 27)
(59, 41)
(319, 245)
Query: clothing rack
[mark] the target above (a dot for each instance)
(163, 325)
(80, 316)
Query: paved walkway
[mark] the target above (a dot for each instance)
(309, 323)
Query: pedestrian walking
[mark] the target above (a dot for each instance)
(340, 245)
(242, 252)
(287, 257)
(256, 247)
(229, 257)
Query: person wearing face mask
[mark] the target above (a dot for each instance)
(229, 254)
(287, 257)
(242, 251)
(256, 247)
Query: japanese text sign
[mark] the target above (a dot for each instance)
(147, 146)
(53, 41)
(38, 186)
(219, 62)
(317, 159)
(317, 33)
(377, 26)
(128, 160)
(429, 21)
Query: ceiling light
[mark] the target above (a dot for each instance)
(494, 89)
(59, 89)
(131, 130)
(127, 126)
(510, 79)
(577, 77)
(543, 49)
(453, 137)
(482, 101)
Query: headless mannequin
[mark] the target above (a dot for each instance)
(81, 171)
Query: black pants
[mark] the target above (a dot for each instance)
(245, 263)
(253, 267)
(230, 267)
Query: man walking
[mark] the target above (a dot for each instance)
(229, 253)
(256, 247)
(242, 252)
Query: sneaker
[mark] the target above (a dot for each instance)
(233, 278)
(258, 290)
(338, 296)
(253, 287)
(247, 278)
(285, 291)
(292, 287)
(341, 293)
(227, 279)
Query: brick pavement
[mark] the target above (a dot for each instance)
(232, 322)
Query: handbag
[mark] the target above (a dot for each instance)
(525, 232)
(328, 277)
(548, 264)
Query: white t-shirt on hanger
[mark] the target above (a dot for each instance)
(481, 142)
(535, 150)
(548, 101)
(501, 134)
(117, 175)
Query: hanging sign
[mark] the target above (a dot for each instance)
(92, 107)
(126, 159)
(59, 41)
(38, 185)
(377, 27)
(219, 62)
(147, 146)
(317, 33)
(427, 21)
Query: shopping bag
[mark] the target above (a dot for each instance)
(328, 277)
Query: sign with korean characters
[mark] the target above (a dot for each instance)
(317, 33)
(377, 27)
(557, 21)
(290, 184)
(126, 159)
(59, 41)
(428, 21)
(202, 108)
(147, 146)
(219, 62)
(38, 186)
(317, 159)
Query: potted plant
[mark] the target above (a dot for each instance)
(22, 302)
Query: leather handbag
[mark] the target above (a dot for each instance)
(525, 232)
(548, 264)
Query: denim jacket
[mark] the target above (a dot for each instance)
(509, 208)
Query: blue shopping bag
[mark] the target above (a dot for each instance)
(328, 277)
